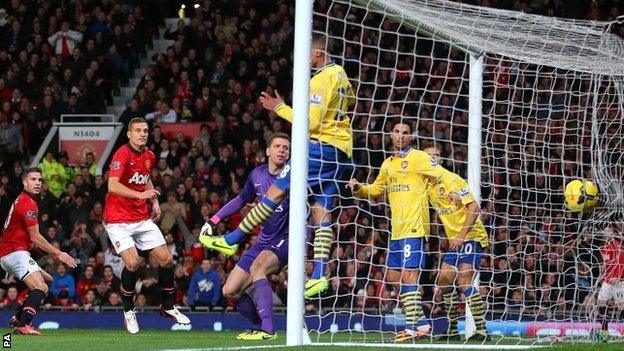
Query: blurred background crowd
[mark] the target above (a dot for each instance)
(71, 57)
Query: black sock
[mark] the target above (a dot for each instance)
(605, 311)
(165, 279)
(128, 282)
(18, 315)
(31, 305)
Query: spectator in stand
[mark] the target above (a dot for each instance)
(65, 40)
(171, 210)
(114, 300)
(86, 284)
(205, 287)
(11, 142)
(110, 279)
(53, 174)
(61, 281)
(13, 299)
(89, 300)
(164, 114)
(74, 106)
(132, 111)
(64, 301)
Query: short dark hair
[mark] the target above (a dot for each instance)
(402, 121)
(136, 120)
(318, 38)
(27, 171)
(278, 135)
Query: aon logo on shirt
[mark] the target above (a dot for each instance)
(139, 178)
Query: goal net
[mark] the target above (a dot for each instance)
(552, 104)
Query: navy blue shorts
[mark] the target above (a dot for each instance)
(327, 166)
(470, 252)
(407, 254)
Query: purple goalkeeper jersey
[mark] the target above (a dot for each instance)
(256, 186)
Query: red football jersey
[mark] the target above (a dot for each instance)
(613, 256)
(133, 170)
(23, 214)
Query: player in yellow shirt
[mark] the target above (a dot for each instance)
(331, 96)
(403, 178)
(459, 213)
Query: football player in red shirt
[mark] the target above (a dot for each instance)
(130, 225)
(611, 294)
(21, 233)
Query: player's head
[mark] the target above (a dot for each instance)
(31, 179)
(318, 55)
(401, 135)
(278, 149)
(434, 152)
(137, 132)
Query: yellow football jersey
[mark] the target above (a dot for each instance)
(331, 95)
(402, 177)
(453, 217)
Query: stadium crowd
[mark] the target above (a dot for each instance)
(69, 57)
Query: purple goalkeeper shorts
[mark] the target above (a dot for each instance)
(279, 247)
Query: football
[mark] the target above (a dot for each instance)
(581, 195)
(206, 229)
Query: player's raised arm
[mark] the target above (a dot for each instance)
(276, 104)
(40, 242)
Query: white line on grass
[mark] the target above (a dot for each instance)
(400, 346)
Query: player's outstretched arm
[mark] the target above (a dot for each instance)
(354, 185)
(246, 196)
(375, 189)
(277, 105)
(44, 245)
(115, 187)
(233, 206)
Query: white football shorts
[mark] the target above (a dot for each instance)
(19, 264)
(614, 290)
(144, 235)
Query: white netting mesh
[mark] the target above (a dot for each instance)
(552, 112)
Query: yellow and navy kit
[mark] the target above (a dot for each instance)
(452, 216)
(331, 95)
(403, 178)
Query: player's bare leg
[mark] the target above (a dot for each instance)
(237, 282)
(417, 327)
(47, 278)
(167, 287)
(465, 276)
(236, 285)
(130, 259)
(266, 263)
(36, 282)
(323, 238)
(446, 282)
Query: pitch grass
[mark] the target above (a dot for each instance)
(120, 340)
